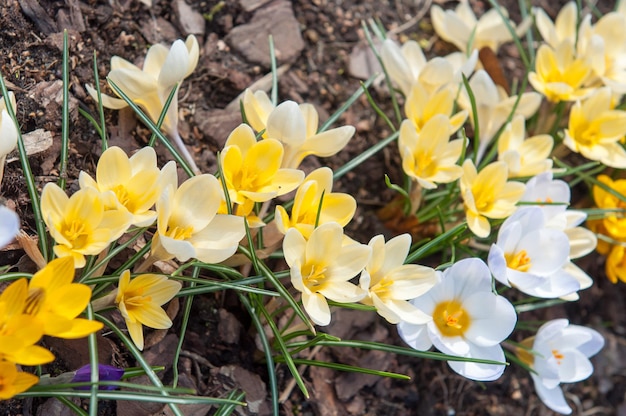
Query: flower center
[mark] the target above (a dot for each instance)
(558, 356)
(518, 261)
(314, 277)
(451, 319)
(75, 233)
(180, 233)
(383, 288)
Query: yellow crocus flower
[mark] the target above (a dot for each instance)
(461, 26)
(14, 382)
(563, 28)
(524, 157)
(19, 331)
(127, 184)
(252, 170)
(421, 106)
(428, 156)
(335, 207)
(613, 223)
(56, 301)
(487, 194)
(163, 69)
(560, 74)
(295, 126)
(595, 130)
(188, 223)
(139, 301)
(79, 224)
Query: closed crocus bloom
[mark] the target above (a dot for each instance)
(321, 268)
(524, 156)
(127, 184)
(461, 28)
(493, 106)
(428, 156)
(559, 353)
(595, 130)
(57, 301)
(8, 131)
(79, 224)
(468, 320)
(315, 203)
(421, 106)
(295, 126)
(139, 301)
(487, 194)
(560, 74)
(407, 65)
(531, 257)
(390, 283)
(163, 69)
(9, 225)
(188, 225)
(14, 382)
(563, 28)
(252, 170)
(20, 331)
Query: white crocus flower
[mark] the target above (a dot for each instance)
(188, 225)
(9, 225)
(493, 106)
(390, 283)
(542, 188)
(560, 354)
(461, 27)
(531, 257)
(407, 64)
(321, 268)
(295, 126)
(163, 69)
(469, 320)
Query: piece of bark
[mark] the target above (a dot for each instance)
(39, 16)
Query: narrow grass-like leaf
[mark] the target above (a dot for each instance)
(172, 401)
(267, 351)
(183, 327)
(348, 368)
(511, 29)
(377, 109)
(472, 99)
(436, 243)
(538, 305)
(356, 161)
(274, 93)
(33, 193)
(355, 96)
(153, 128)
(163, 114)
(102, 129)
(92, 345)
(228, 409)
(65, 115)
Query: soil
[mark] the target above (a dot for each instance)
(220, 351)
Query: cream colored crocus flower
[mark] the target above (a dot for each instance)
(252, 170)
(128, 184)
(295, 126)
(316, 203)
(407, 65)
(428, 156)
(595, 130)
(79, 224)
(163, 69)
(487, 194)
(8, 132)
(139, 301)
(461, 27)
(524, 157)
(421, 106)
(390, 283)
(321, 268)
(188, 225)
(560, 74)
(563, 28)
(493, 106)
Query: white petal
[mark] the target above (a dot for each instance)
(551, 397)
(481, 372)
(287, 125)
(493, 318)
(416, 336)
(9, 225)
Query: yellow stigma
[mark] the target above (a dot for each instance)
(180, 233)
(558, 356)
(518, 261)
(314, 277)
(451, 319)
(75, 233)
